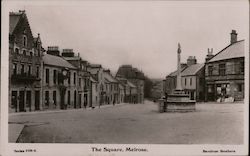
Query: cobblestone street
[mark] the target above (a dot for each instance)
(135, 123)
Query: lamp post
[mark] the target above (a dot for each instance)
(61, 77)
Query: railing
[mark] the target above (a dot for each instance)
(24, 78)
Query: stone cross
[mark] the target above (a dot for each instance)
(178, 84)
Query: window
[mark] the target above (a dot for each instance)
(24, 41)
(22, 69)
(222, 69)
(54, 97)
(37, 72)
(74, 78)
(14, 68)
(31, 53)
(16, 50)
(185, 81)
(47, 98)
(29, 70)
(80, 83)
(24, 52)
(69, 97)
(190, 81)
(210, 70)
(69, 78)
(240, 87)
(242, 66)
(47, 76)
(54, 76)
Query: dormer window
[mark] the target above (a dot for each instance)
(24, 41)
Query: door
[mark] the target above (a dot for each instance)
(28, 100)
(14, 100)
(21, 101)
(37, 100)
(192, 95)
(79, 100)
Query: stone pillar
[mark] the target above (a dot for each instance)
(178, 84)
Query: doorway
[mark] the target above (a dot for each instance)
(21, 101)
(37, 100)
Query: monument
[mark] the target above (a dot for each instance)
(178, 101)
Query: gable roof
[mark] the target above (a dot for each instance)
(234, 50)
(56, 61)
(109, 77)
(14, 19)
(192, 70)
(175, 72)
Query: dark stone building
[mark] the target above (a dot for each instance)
(224, 72)
(25, 65)
(136, 77)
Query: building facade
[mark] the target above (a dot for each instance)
(224, 72)
(59, 82)
(136, 77)
(25, 65)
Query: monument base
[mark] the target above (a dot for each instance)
(180, 102)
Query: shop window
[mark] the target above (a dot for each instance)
(54, 97)
(47, 98)
(242, 66)
(240, 88)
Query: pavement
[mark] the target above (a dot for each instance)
(16, 128)
(135, 123)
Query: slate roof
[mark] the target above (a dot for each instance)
(72, 58)
(109, 77)
(14, 19)
(234, 50)
(56, 61)
(192, 70)
(131, 84)
(175, 72)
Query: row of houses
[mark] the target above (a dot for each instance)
(219, 78)
(41, 79)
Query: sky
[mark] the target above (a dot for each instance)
(144, 34)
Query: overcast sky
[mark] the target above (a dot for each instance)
(144, 34)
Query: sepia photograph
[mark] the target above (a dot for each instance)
(137, 77)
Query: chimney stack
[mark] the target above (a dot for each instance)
(191, 60)
(53, 50)
(233, 36)
(209, 54)
(68, 53)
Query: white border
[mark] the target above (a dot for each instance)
(85, 149)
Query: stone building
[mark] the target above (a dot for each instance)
(25, 65)
(130, 90)
(224, 72)
(136, 77)
(169, 84)
(97, 74)
(59, 82)
(112, 87)
(193, 80)
(84, 77)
